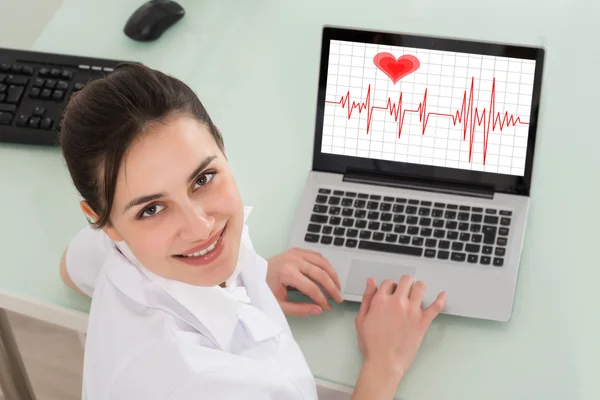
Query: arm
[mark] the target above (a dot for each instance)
(82, 260)
(374, 383)
(64, 274)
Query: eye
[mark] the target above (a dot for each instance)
(204, 179)
(151, 211)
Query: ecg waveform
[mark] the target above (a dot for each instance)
(468, 115)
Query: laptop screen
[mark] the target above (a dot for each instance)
(446, 108)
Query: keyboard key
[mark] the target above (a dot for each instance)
(321, 219)
(472, 248)
(361, 224)
(386, 217)
(325, 191)
(498, 262)
(417, 241)
(385, 207)
(477, 209)
(338, 241)
(360, 214)
(486, 260)
(476, 217)
(463, 226)
(334, 200)
(430, 243)
(438, 223)
(476, 238)
(375, 197)
(439, 233)
(437, 213)
(464, 208)
(400, 200)
(413, 230)
(399, 218)
(452, 235)
(388, 199)
(398, 208)
(387, 227)
(352, 233)
(505, 221)
(311, 238)
(34, 93)
(472, 258)
(6, 118)
(413, 201)
(351, 243)
(335, 220)
(462, 216)
(391, 248)
(351, 194)
(412, 220)
(346, 202)
(411, 210)
(429, 253)
(443, 255)
(372, 205)
(439, 205)
(503, 231)
(502, 241)
(359, 203)
(314, 228)
(450, 215)
(399, 228)
(404, 239)
(464, 237)
(348, 222)
(487, 250)
(46, 93)
(458, 246)
(379, 236)
(374, 226)
(374, 215)
(458, 256)
(22, 120)
(424, 211)
(365, 234)
(327, 229)
(17, 80)
(444, 244)
(490, 211)
(66, 74)
(347, 212)
(319, 208)
(490, 219)
(452, 207)
(500, 251)
(8, 108)
(475, 228)
(326, 239)
(426, 232)
(391, 238)
(2, 97)
(14, 93)
(506, 213)
(425, 221)
(489, 234)
(55, 73)
(44, 72)
(363, 196)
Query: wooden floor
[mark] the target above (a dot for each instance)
(53, 357)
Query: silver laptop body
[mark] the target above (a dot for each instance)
(399, 183)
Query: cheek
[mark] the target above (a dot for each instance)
(150, 243)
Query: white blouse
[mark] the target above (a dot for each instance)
(154, 338)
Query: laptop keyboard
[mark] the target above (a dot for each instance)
(419, 228)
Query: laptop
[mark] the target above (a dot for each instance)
(422, 165)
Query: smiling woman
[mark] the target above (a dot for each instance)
(181, 302)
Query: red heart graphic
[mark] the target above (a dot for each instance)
(396, 69)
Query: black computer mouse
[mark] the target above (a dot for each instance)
(152, 19)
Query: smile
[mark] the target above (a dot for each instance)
(203, 255)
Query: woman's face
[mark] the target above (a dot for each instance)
(177, 205)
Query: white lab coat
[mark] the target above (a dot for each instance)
(151, 338)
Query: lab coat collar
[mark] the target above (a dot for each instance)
(212, 310)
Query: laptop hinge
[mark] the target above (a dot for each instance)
(425, 184)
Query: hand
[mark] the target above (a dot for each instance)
(303, 269)
(391, 323)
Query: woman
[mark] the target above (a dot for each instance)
(182, 305)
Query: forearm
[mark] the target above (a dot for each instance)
(375, 383)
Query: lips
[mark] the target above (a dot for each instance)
(204, 247)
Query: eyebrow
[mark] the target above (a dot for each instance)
(147, 198)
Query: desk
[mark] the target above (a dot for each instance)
(255, 67)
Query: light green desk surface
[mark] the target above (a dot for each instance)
(254, 64)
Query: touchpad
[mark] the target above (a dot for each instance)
(361, 270)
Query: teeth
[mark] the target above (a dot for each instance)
(203, 252)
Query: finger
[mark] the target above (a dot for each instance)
(405, 286)
(368, 295)
(320, 276)
(387, 287)
(309, 288)
(300, 309)
(435, 308)
(321, 262)
(417, 293)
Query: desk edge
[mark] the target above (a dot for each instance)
(63, 317)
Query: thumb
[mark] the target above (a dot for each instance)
(435, 308)
(300, 309)
(368, 295)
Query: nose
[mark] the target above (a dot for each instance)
(197, 223)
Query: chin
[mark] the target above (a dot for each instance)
(218, 262)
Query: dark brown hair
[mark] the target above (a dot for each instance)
(102, 120)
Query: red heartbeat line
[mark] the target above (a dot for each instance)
(468, 115)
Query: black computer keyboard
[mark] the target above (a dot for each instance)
(421, 228)
(35, 88)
